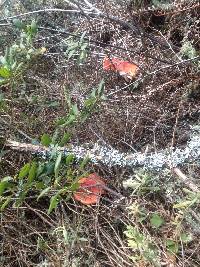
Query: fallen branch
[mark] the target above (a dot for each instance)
(112, 157)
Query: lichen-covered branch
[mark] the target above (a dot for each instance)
(112, 157)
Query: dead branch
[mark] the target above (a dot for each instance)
(112, 157)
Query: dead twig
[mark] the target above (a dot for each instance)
(185, 179)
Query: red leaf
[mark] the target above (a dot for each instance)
(125, 68)
(90, 190)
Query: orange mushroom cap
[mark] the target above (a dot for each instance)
(90, 189)
(124, 68)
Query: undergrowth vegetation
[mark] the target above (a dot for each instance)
(57, 97)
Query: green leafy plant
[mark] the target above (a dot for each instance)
(141, 183)
(156, 221)
(162, 4)
(188, 50)
(55, 178)
(142, 246)
(77, 48)
(90, 104)
(18, 56)
(172, 246)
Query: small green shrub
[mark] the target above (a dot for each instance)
(142, 246)
(56, 178)
(77, 48)
(18, 56)
(90, 105)
(187, 50)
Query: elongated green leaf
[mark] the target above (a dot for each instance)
(70, 120)
(185, 204)
(44, 192)
(101, 88)
(84, 162)
(33, 27)
(65, 139)
(24, 171)
(21, 198)
(71, 53)
(45, 140)
(94, 93)
(7, 179)
(82, 36)
(53, 203)
(3, 186)
(82, 56)
(5, 203)
(57, 164)
(84, 46)
(61, 121)
(74, 186)
(32, 172)
(75, 110)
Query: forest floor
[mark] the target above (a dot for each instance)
(51, 61)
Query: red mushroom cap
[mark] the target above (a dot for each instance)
(124, 68)
(90, 189)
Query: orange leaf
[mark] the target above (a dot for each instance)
(124, 68)
(90, 189)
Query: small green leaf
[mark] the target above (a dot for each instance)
(69, 159)
(24, 171)
(74, 187)
(55, 137)
(53, 203)
(88, 103)
(21, 197)
(18, 24)
(94, 93)
(45, 140)
(156, 220)
(3, 60)
(172, 246)
(61, 121)
(186, 238)
(4, 72)
(44, 192)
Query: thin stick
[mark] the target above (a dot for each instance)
(186, 180)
